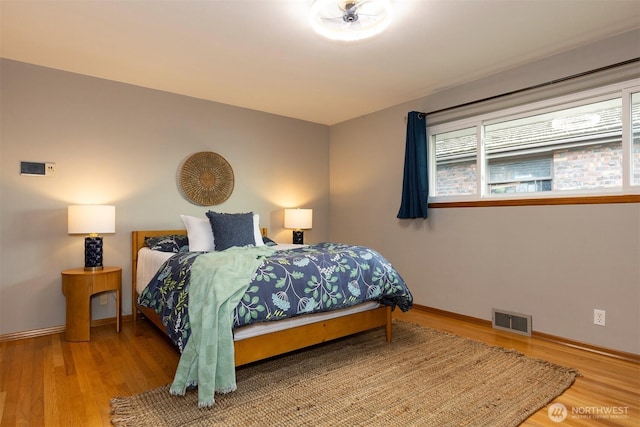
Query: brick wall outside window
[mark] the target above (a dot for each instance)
(596, 166)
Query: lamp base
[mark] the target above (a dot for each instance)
(298, 237)
(93, 253)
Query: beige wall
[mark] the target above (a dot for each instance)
(556, 263)
(121, 144)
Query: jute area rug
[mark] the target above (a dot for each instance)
(423, 378)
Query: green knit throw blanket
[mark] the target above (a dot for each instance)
(218, 282)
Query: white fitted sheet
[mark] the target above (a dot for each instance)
(149, 262)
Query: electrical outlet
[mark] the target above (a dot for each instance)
(104, 299)
(599, 317)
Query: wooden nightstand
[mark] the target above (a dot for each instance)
(78, 285)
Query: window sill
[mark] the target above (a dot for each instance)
(586, 200)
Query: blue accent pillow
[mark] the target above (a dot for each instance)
(268, 242)
(231, 229)
(170, 243)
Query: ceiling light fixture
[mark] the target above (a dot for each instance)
(350, 20)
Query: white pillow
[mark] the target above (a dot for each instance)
(256, 230)
(199, 233)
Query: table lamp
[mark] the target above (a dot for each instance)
(91, 220)
(298, 219)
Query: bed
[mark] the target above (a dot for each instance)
(281, 334)
(258, 345)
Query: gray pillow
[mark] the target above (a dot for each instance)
(231, 229)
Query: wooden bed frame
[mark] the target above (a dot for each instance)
(275, 343)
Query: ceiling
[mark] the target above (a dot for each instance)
(263, 55)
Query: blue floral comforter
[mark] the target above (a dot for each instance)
(291, 282)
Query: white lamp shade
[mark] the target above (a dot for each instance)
(298, 219)
(88, 219)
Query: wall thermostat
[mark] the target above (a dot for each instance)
(37, 169)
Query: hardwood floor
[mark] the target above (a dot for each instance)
(606, 384)
(46, 381)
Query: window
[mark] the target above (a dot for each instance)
(568, 146)
(635, 136)
(456, 166)
(520, 175)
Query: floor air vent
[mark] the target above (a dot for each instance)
(512, 322)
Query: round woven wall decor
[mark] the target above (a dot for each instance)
(206, 178)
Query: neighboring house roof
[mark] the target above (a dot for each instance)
(544, 135)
